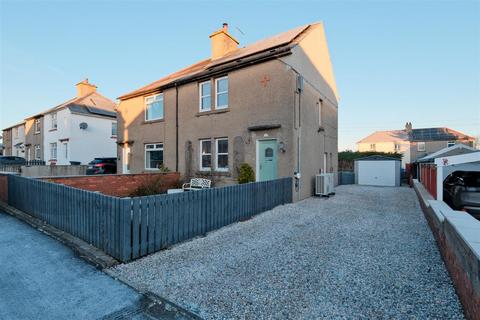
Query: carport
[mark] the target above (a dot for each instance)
(447, 165)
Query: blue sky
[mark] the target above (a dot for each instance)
(394, 62)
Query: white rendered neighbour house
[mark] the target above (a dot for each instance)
(18, 140)
(80, 129)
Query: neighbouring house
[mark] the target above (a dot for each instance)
(272, 104)
(14, 140)
(413, 144)
(77, 130)
(34, 146)
(81, 128)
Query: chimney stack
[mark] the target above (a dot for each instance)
(84, 88)
(222, 42)
(408, 127)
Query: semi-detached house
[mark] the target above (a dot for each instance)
(272, 104)
(77, 130)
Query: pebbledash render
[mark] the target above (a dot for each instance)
(272, 104)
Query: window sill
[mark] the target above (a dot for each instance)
(37, 132)
(153, 121)
(207, 113)
(52, 130)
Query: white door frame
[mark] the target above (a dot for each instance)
(125, 158)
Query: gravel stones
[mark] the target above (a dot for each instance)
(366, 253)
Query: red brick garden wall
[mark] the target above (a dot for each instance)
(118, 185)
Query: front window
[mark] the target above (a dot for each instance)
(54, 120)
(222, 154)
(373, 147)
(37, 125)
(37, 152)
(205, 96)
(154, 107)
(205, 154)
(450, 143)
(53, 151)
(221, 93)
(421, 146)
(114, 129)
(153, 156)
(397, 147)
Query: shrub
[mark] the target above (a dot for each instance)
(246, 173)
(150, 187)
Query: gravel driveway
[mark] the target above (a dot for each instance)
(366, 253)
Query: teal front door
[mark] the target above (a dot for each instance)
(267, 160)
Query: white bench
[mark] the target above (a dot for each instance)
(197, 184)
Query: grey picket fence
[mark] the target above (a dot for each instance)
(129, 228)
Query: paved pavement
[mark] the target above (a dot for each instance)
(366, 253)
(42, 279)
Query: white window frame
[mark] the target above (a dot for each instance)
(202, 168)
(397, 146)
(217, 93)
(155, 148)
(145, 107)
(374, 147)
(200, 96)
(450, 144)
(320, 107)
(218, 154)
(36, 152)
(36, 125)
(116, 129)
(421, 149)
(53, 146)
(53, 123)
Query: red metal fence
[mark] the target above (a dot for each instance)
(428, 177)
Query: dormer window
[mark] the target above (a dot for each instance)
(154, 107)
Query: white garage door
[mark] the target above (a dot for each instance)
(376, 173)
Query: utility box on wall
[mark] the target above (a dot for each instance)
(377, 171)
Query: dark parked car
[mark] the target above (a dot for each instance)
(461, 191)
(102, 166)
(11, 160)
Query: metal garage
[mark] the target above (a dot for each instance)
(377, 171)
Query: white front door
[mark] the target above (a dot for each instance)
(126, 159)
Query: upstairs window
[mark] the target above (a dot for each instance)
(205, 96)
(421, 146)
(221, 93)
(222, 154)
(153, 156)
(114, 129)
(319, 106)
(37, 125)
(54, 120)
(154, 107)
(373, 147)
(397, 147)
(205, 155)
